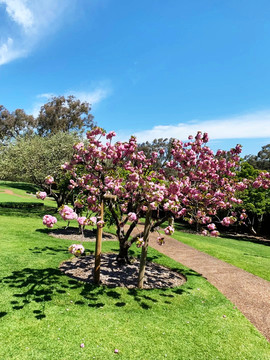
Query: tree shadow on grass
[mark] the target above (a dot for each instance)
(248, 238)
(21, 186)
(31, 212)
(34, 285)
(48, 250)
(41, 286)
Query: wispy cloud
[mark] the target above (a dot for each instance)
(252, 125)
(19, 12)
(29, 22)
(93, 97)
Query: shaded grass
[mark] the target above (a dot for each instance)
(252, 257)
(46, 315)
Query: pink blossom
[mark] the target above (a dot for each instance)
(110, 135)
(100, 223)
(211, 226)
(76, 249)
(67, 213)
(214, 233)
(132, 216)
(83, 221)
(49, 220)
(160, 240)
(41, 195)
(169, 230)
(139, 242)
(78, 146)
(49, 179)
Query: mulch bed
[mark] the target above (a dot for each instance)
(113, 275)
(73, 234)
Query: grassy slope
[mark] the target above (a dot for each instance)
(23, 192)
(46, 315)
(252, 257)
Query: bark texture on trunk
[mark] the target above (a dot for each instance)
(147, 228)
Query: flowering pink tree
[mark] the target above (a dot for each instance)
(202, 185)
(121, 170)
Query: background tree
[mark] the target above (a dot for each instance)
(32, 158)
(16, 123)
(161, 146)
(261, 160)
(64, 114)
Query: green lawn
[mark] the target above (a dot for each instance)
(252, 257)
(46, 315)
(22, 192)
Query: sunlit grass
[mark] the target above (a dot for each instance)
(46, 315)
(247, 255)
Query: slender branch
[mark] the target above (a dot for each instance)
(131, 227)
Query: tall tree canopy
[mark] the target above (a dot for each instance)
(16, 123)
(64, 114)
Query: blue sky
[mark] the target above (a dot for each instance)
(150, 68)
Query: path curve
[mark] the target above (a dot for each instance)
(250, 293)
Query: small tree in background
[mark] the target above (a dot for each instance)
(31, 159)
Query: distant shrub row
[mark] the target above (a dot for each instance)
(21, 205)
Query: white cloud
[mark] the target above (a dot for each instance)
(31, 21)
(93, 97)
(19, 12)
(8, 52)
(253, 125)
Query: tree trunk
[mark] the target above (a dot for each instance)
(147, 228)
(122, 257)
(260, 221)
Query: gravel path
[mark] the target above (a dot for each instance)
(248, 292)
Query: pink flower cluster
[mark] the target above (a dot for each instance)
(160, 240)
(132, 216)
(76, 249)
(229, 220)
(41, 195)
(67, 213)
(169, 230)
(100, 223)
(84, 221)
(49, 180)
(263, 180)
(49, 220)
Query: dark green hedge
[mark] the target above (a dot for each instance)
(21, 205)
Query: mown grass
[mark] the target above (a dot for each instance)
(46, 315)
(250, 256)
(23, 192)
